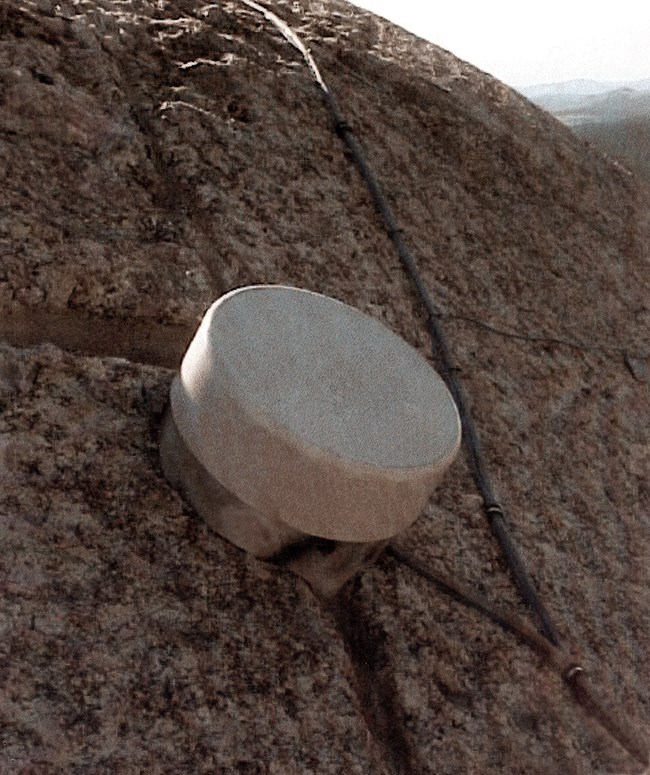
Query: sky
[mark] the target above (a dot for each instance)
(525, 43)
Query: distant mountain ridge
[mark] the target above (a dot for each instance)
(613, 115)
(581, 86)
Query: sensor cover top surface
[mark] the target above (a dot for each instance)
(305, 406)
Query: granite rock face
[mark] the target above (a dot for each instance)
(157, 155)
(133, 638)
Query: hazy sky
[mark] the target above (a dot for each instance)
(525, 43)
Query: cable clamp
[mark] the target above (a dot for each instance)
(342, 126)
(493, 510)
(571, 672)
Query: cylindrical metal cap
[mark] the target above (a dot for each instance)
(313, 413)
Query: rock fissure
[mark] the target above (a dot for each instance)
(159, 344)
(374, 684)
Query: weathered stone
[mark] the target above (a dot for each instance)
(133, 638)
(141, 142)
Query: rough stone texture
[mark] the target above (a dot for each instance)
(156, 155)
(132, 639)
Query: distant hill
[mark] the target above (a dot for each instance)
(613, 115)
(627, 139)
(577, 102)
(580, 86)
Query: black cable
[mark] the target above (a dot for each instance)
(548, 644)
(442, 355)
(439, 347)
(596, 702)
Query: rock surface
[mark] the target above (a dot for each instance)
(157, 155)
